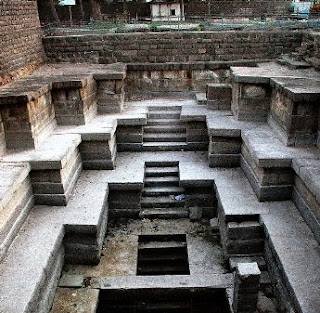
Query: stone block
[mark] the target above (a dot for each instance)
(224, 160)
(224, 145)
(244, 230)
(219, 93)
(246, 288)
(195, 213)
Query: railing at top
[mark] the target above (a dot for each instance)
(111, 24)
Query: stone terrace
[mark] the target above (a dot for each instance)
(69, 140)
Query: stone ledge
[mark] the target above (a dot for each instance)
(15, 202)
(265, 71)
(297, 255)
(101, 128)
(23, 91)
(54, 153)
(115, 71)
(224, 124)
(259, 143)
(298, 89)
(39, 245)
(177, 66)
(165, 282)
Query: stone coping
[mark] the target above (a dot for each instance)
(115, 71)
(23, 91)
(265, 71)
(220, 281)
(54, 153)
(298, 89)
(65, 75)
(101, 128)
(26, 265)
(258, 137)
(178, 66)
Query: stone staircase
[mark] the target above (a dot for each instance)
(164, 130)
(161, 187)
(163, 255)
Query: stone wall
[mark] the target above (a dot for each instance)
(20, 40)
(310, 48)
(171, 47)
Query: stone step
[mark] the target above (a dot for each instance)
(164, 122)
(163, 115)
(160, 213)
(173, 268)
(161, 181)
(155, 257)
(164, 108)
(161, 202)
(161, 163)
(161, 171)
(173, 306)
(162, 191)
(163, 246)
(164, 129)
(164, 137)
(244, 230)
(164, 146)
(245, 247)
(290, 62)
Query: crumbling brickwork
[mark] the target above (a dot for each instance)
(172, 47)
(20, 39)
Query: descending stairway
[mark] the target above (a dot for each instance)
(161, 186)
(163, 255)
(164, 130)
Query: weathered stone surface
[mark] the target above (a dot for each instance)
(83, 300)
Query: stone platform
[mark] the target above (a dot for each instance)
(55, 194)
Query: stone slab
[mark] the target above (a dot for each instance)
(101, 128)
(259, 143)
(298, 89)
(265, 71)
(115, 71)
(226, 125)
(24, 90)
(52, 154)
(298, 255)
(194, 113)
(165, 282)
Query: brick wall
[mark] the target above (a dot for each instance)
(234, 8)
(20, 39)
(171, 47)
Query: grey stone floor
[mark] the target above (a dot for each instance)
(43, 230)
(121, 246)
